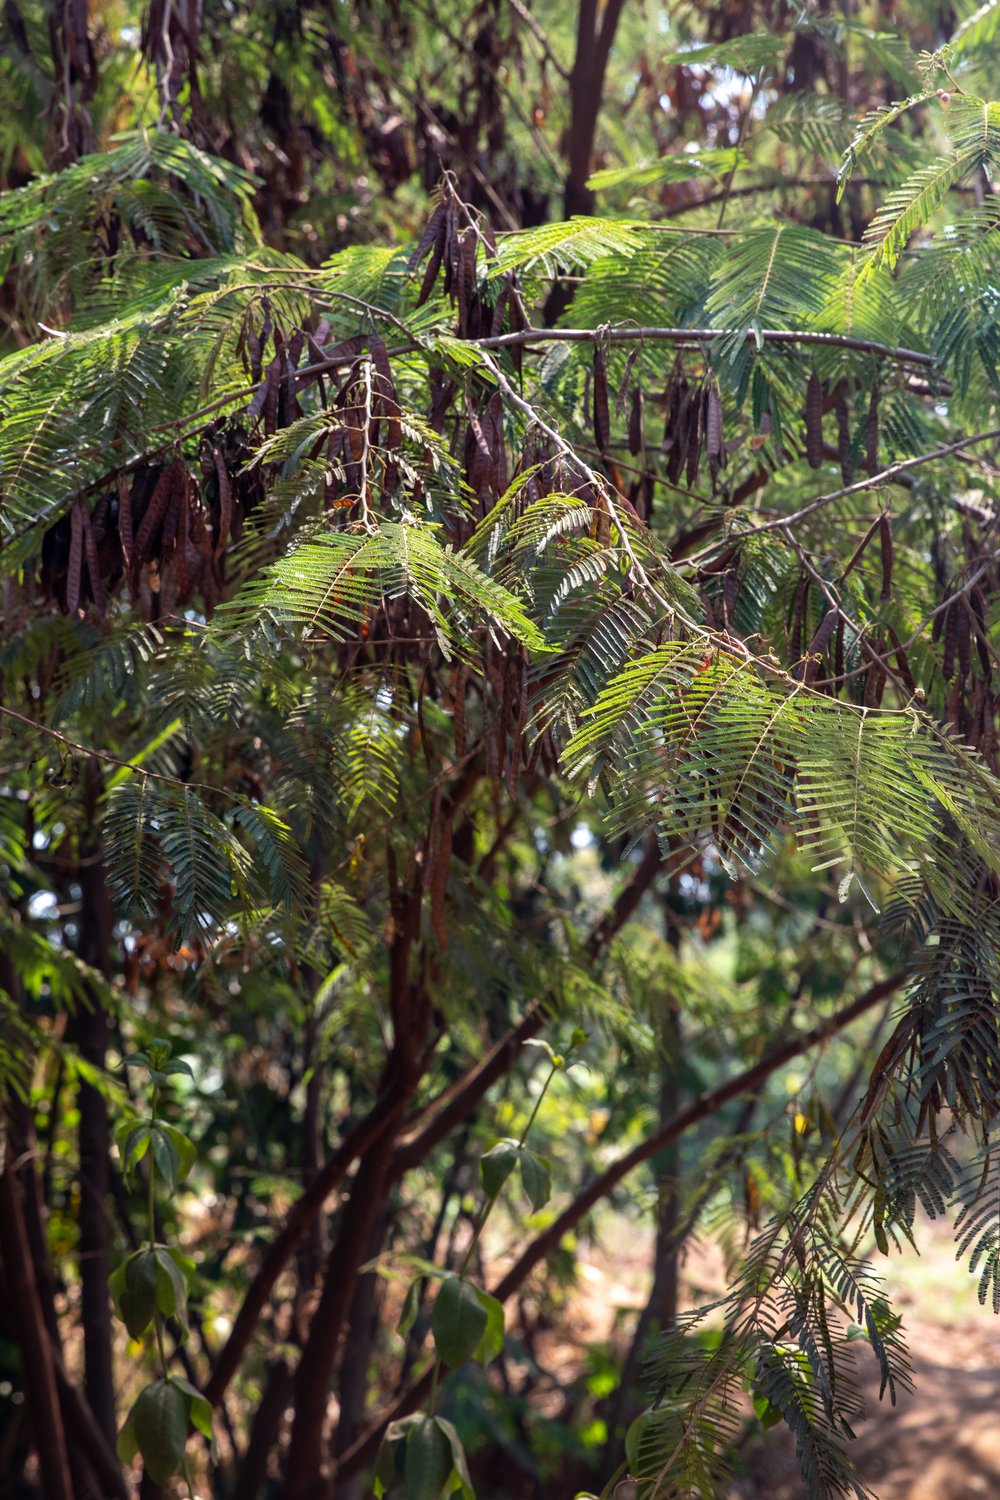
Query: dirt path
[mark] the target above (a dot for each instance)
(942, 1440)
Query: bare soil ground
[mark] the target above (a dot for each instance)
(941, 1442)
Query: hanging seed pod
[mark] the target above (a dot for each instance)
(479, 460)
(181, 547)
(636, 423)
(714, 445)
(155, 511)
(623, 388)
(838, 651)
(101, 517)
(814, 421)
(292, 356)
(950, 641)
(818, 644)
(74, 576)
(730, 588)
(387, 402)
(602, 419)
(694, 418)
(798, 618)
(885, 547)
(493, 431)
(875, 680)
(172, 513)
(518, 321)
(956, 714)
(963, 639)
(902, 663)
(97, 592)
(842, 409)
(871, 436)
(432, 235)
(676, 433)
(442, 394)
(225, 500)
(496, 321)
(676, 398)
(433, 265)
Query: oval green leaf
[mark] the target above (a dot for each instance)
(428, 1460)
(497, 1165)
(537, 1179)
(159, 1420)
(458, 1321)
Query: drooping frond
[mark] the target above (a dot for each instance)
(154, 188)
(869, 132)
(974, 129)
(335, 582)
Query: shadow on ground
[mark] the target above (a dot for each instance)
(940, 1442)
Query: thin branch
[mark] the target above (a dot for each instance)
(539, 35)
(874, 481)
(113, 760)
(885, 476)
(702, 336)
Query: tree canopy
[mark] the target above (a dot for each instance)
(498, 729)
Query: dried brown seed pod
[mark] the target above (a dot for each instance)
(74, 575)
(818, 644)
(635, 422)
(871, 436)
(843, 413)
(885, 547)
(154, 513)
(714, 443)
(814, 421)
(602, 418)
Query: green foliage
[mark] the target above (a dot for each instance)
(157, 1426)
(377, 613)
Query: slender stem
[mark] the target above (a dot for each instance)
(744, 122)
(151, 1216)
(151, 1175)
(555, 1068)
(488, 1206)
